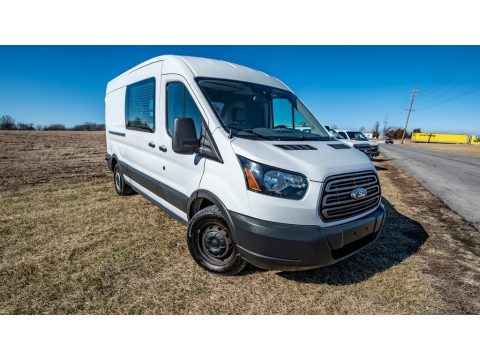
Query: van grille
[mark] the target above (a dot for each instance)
(363, 148)
(337, 202)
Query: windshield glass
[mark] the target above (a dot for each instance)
(357, 135)
(335, 134)
(261, 112)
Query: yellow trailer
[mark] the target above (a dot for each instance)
(441, 138)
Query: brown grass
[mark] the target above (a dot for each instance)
(462, 149)
(69, 244)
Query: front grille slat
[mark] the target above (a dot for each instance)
(347, 207)
(337, 203)
(348, 191)
(351, 183)
(371, 193)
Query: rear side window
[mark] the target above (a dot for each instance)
(140, 106)
(180, 104)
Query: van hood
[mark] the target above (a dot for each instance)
(316, 164)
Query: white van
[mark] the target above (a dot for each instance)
(222, 148)
(359, 141)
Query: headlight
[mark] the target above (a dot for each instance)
(273, 181)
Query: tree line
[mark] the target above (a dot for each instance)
(8, 123)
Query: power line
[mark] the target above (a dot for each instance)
(462, 75)
(445, 101)
(452, 72)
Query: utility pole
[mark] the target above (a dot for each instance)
(414, 93)
(385, 122)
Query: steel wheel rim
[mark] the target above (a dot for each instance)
(215, 243)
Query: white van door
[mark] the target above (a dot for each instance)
(181, 174)
(144, 158)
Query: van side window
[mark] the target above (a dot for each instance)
(180, 104)
(343, 135)
(140, 106)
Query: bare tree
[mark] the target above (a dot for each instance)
(362, 129)
(56, 127)
(22, 126)
(335, 127)
(7, 122)
(376, 130)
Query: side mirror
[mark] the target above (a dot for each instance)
(184, 137)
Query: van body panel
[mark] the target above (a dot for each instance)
(225, 180)
(173, 166)
(139, 154)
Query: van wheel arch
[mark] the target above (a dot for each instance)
(201, 199)
(113, 162)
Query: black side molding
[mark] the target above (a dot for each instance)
(160, 189)
(153, 201)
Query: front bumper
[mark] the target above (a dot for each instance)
(288, 247)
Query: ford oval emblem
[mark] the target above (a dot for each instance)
(358, 193)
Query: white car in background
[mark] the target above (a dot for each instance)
(359, 141)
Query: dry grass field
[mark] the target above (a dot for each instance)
(462, 149)
(70, 245)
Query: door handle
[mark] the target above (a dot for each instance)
(151, 144)
(163, 148)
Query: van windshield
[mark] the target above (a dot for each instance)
(261, 112)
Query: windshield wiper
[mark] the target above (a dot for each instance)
(250, 131)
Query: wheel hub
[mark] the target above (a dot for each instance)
(216, 241)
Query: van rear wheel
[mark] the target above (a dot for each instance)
(211, 244)
(121, 187)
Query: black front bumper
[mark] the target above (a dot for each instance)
(278, 246)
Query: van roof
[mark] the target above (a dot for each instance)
(204, 67)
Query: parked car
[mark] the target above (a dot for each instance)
(360, 142)
(223, 149)
(389, 140)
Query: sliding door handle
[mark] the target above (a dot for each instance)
(163, 148)
(151, 144)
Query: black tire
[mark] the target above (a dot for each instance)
(121, 187)
(211, 244)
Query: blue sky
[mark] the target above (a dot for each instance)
(347, 86)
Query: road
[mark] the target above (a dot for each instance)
(453, 178)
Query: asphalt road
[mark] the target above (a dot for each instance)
(453, 178)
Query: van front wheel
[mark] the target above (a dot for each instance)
(211, 244)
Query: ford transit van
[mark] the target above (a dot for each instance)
(234, 154)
